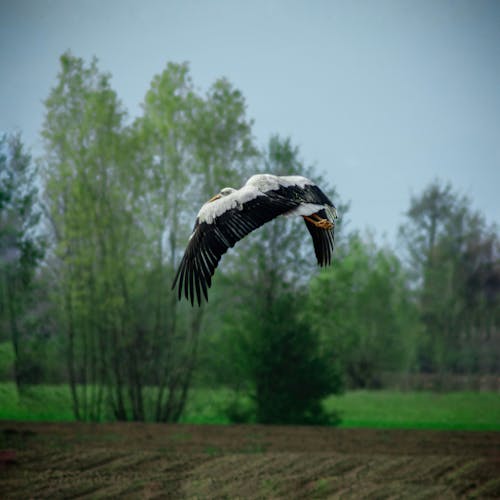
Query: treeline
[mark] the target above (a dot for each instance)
(91, 234)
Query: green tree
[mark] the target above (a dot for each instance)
(193, 143)
(454, 255)
(21, 249)
(86, 184)
(165, 132)
(291, 376)
(225, 150)
(363, 312)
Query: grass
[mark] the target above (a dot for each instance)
(41, 403)
(373, 409)
(418, 410)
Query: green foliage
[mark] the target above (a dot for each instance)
(218, 406)
(455, 257)
(291, 378)
(85, 185)
(20, 252)
(7, 360)
(362, 311)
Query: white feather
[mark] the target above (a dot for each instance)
(268, 182)
(305, 209)
(211, 210)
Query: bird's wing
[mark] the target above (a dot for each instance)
(323, 240)
(313, 200)
(219, 226)
(304, 192)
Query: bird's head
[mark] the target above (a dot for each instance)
(224, 192)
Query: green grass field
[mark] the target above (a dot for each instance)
(418, 410)
(43, 403)
(373, 409)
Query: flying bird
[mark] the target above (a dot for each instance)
(233, 213)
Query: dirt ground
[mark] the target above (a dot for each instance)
(74, 460)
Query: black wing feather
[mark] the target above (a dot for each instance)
(210, 241)
(310, 193)
(323, 241)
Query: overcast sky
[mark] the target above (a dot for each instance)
(382, 96)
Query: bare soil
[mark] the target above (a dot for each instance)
(130, 460)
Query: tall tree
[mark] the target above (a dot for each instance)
(225, 150)
(89, 200)
(193, 144)
(21, 249)
(454, 254)
(165, 131)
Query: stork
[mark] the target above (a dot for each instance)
(233, 213)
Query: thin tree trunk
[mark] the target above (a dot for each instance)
(14, 331)
(71, 356)
(191, 363)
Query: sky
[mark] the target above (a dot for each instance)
(383, 97)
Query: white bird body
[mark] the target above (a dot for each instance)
(256, 186)
(232, 214)
(213, 209)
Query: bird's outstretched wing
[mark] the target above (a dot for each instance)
(212, 237)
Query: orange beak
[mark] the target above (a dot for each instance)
(216, 197)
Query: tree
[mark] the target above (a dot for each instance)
(85, 187)
(454, 255)
(291, 376)
(21, 249)
(225, 150)
(193, 143)
(362, 310)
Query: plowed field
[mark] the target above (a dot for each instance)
(74, 460)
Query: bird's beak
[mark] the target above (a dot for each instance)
(216, 197)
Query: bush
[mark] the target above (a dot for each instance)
(291, 377)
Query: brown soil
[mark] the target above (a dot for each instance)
(75, 460)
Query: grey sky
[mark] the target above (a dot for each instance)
(382, 96)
